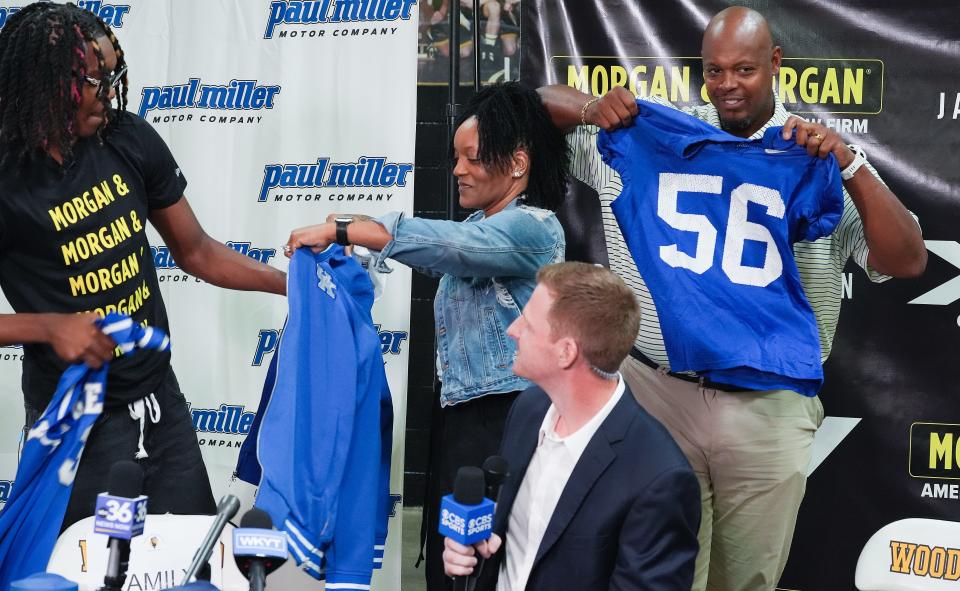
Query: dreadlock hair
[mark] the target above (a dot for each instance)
(42, 67)
(511, 116)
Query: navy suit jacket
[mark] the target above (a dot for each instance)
(628, 516)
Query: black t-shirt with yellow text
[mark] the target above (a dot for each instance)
(73, 239)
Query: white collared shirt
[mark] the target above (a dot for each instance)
(550, 467)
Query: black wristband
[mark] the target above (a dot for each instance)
(342, 230)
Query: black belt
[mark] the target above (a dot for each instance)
(702, 381)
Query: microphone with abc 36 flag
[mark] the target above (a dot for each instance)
(466, 516)
(258, 549)
(120, 514)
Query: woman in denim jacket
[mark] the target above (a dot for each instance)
(511, 166)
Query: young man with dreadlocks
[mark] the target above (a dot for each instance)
(80, 179)
(510, 163)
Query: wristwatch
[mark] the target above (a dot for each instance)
(859, 159)
(342, 230)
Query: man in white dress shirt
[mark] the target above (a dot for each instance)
(599, 495)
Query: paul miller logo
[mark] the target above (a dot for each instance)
(391, 342)
(366, 172)
(312, 12)
(163, 258)
(112, 14)
(242, 95)
(229, 419)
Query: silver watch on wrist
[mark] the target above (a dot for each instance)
(859, 159)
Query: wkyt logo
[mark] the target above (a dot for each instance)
(112, 14)
(283, 13)
(391, 342)
(228, 419)
(239, 96)
(373, 176)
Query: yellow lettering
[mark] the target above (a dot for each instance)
(103, 194)
(91, 204)
(104, 276)
(788, 80)
(680, 87)
(635, 80)
(658, 87)
(137, 226)
(599, 82)
(70, 212)
(941, 450)
(578, 78)
(618, 76)
(901, 555)
(120, 230)
(69, 251)
(808, 90)
(120, 185)
(77, 286)
(81, 207)
(134, 263)
(105, 239)
(116, 272)
(938, 562)
(831, 87)
(85, 204)
(952, 572)
(921, 562)
(59, 222)
(853, 86)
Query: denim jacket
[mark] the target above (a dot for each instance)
(487, 269)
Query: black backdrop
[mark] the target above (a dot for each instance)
(879, 72)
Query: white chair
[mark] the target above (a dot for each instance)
(911, 555)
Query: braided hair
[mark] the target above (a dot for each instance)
(511, 116)
(42, 68)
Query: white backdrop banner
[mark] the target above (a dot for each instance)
(279, 113)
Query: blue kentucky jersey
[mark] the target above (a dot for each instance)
(711, 219)
(30, 521)
(325, 436)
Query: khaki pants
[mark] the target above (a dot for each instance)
(750, 451)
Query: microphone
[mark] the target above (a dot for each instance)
(465, 516)
(258, 549)
(495, 471)
(226, 509)
(120, 514)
